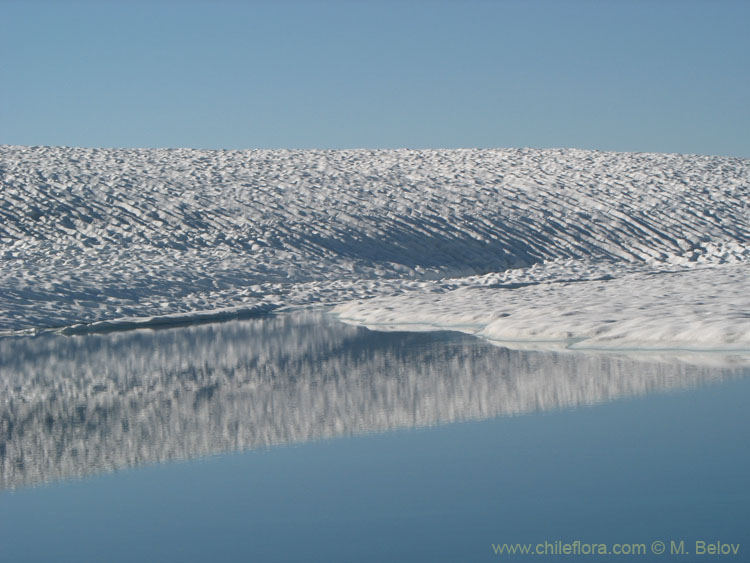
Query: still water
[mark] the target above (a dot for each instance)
(298, 438)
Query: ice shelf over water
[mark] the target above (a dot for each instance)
(581, 248)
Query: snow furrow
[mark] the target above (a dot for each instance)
(96, 235)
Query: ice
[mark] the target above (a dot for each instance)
(583, 248)
(697, 309)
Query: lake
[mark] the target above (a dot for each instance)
(295, 437)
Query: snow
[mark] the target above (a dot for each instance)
(575, 248)
(699, 309)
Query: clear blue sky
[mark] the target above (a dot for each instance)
(632, 76)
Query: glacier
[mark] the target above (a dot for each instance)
(528, 247)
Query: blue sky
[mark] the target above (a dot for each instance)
(629, 76)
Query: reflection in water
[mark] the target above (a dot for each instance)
(71, 406)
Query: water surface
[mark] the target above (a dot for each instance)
(295, 437)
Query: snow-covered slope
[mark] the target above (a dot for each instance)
(100, 235)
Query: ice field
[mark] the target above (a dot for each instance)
(554, 247)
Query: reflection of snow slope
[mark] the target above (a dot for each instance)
(97, 234)
(70, 406)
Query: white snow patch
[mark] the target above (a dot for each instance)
(699, 309)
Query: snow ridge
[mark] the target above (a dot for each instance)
(124, 236)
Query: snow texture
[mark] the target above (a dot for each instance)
(582, 248)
